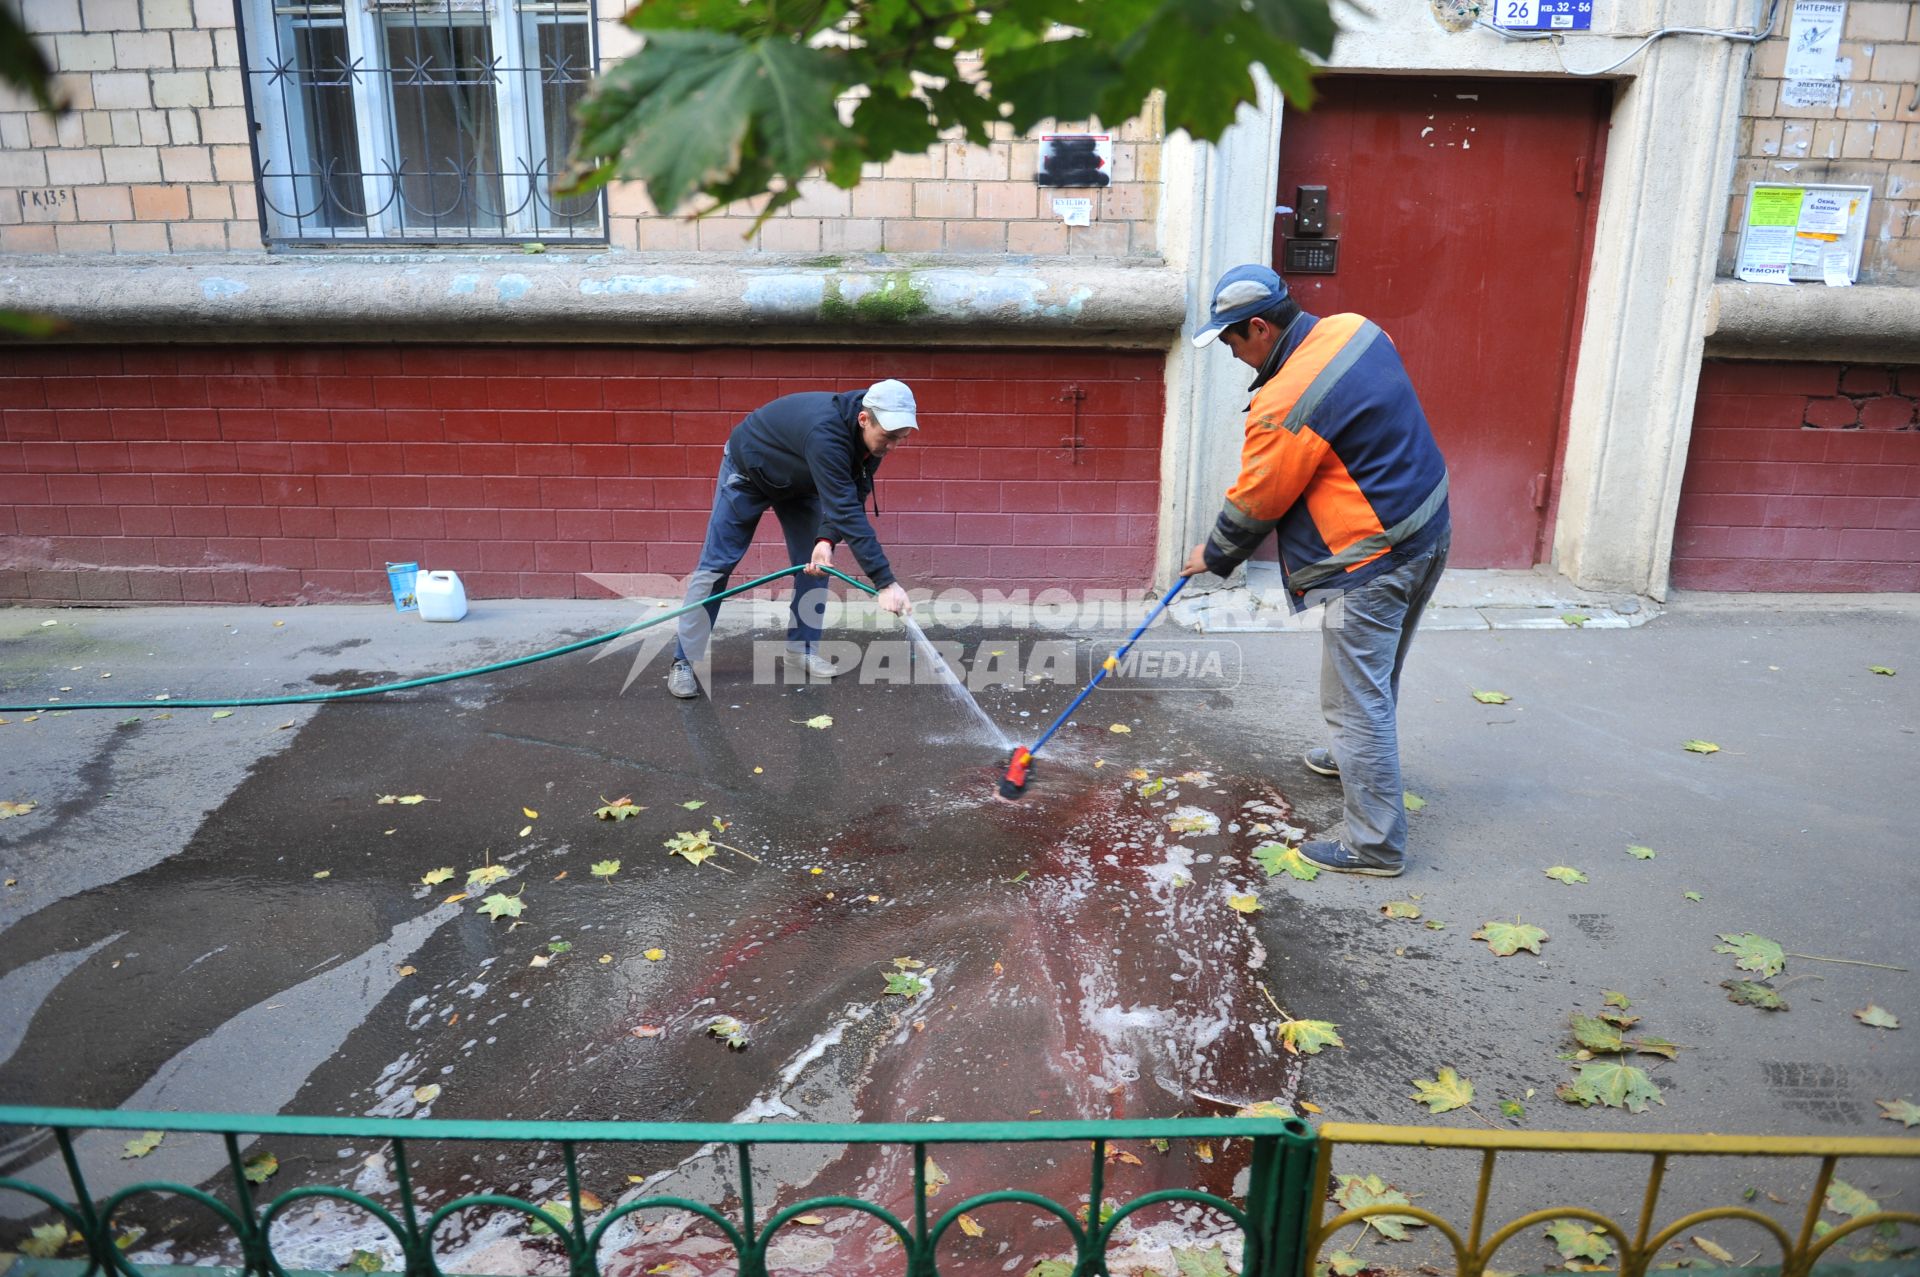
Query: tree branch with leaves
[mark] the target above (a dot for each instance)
(735, 101)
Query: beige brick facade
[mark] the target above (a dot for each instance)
(1871, 137)
(155, 157)
(135, 166)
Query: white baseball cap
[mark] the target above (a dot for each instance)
(890, 403)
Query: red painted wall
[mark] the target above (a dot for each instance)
(294, 474)
(1803, 477)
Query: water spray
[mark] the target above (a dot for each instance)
(1014, 783)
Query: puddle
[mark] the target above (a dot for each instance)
(1079, 960)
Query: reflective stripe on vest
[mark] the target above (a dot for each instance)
(1370, 547)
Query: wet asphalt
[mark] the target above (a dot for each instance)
(220, 914)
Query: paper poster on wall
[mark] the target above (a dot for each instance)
(1810, 92)
(1813, 232)
(1075, 159)
(1813, 48)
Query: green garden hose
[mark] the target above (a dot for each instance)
(307, 698)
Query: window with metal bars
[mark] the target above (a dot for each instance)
(418, 121)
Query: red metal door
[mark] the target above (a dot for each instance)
(1464, 214)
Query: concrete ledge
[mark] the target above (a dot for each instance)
(1866, 323)
(1466, 599)
(599, 297)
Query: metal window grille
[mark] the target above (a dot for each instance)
(418, 121)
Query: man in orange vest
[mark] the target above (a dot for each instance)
(1340, 465)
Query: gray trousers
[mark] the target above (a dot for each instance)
(1363, 647)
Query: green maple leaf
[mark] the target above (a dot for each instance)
(1513, 1109)
(1492, 698)
(694, 804)
(1278, 858)
(559, 946)
(1905, 1112)
(1619, 1019)
(604, 868)
(1615, 998)
(1508, 938)
(141, 1145)
(1753, 953)
(1844, 1199)
(904, 984)
(434, 877)
(1401, 909)
(260, 1168)
(45, 1242)
(1876, 1017)
(820, 722)
(1191, 820)
(487, 875)
(1700, 747)
(618, 809)
(1577, 1239)
(1695, 896)
(498, 906)
(1749, 993)
(1575, 619)
(1641, 853)
(695, 845)
(1052, 1268)
(1656, 1046)
(1211, 1262)
(561, 1212)
(1612, 1084)
(365, 1261)
(702, 110)
(728, 1030)
(1880, 669)
(1343, 1263)
(1566, 873)
(1309, 1037)
(1153, 787)
(1596, 1035)
(1357, 1192)
(1443, 1092)
(1412, 801)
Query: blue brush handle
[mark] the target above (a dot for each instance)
(1119, 652)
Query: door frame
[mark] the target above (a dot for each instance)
(1670, 148)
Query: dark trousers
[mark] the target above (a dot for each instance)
(737, 507)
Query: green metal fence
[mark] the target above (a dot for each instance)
(1274, 1218)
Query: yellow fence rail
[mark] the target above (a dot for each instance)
(1636, 1248)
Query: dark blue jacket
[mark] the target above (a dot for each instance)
(809, 445)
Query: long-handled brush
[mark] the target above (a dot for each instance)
(1014, 783)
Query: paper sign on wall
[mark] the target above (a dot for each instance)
(1802, 232)
(1074, 212)
(1813, 49)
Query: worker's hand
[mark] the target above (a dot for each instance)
(895, 600)
(1196, 562)
(822, 558)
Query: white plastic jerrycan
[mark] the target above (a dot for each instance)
(441, 596)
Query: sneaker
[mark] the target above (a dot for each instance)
(1335, 856)
(812, 664)
(1322, 762)
(681, 682)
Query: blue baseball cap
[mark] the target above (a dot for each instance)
(1242, 293)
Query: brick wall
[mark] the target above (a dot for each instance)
(1870, 138)
(156, 158)
(1802, 477)
(275, 475)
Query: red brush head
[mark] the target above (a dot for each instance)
(1014, 783)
